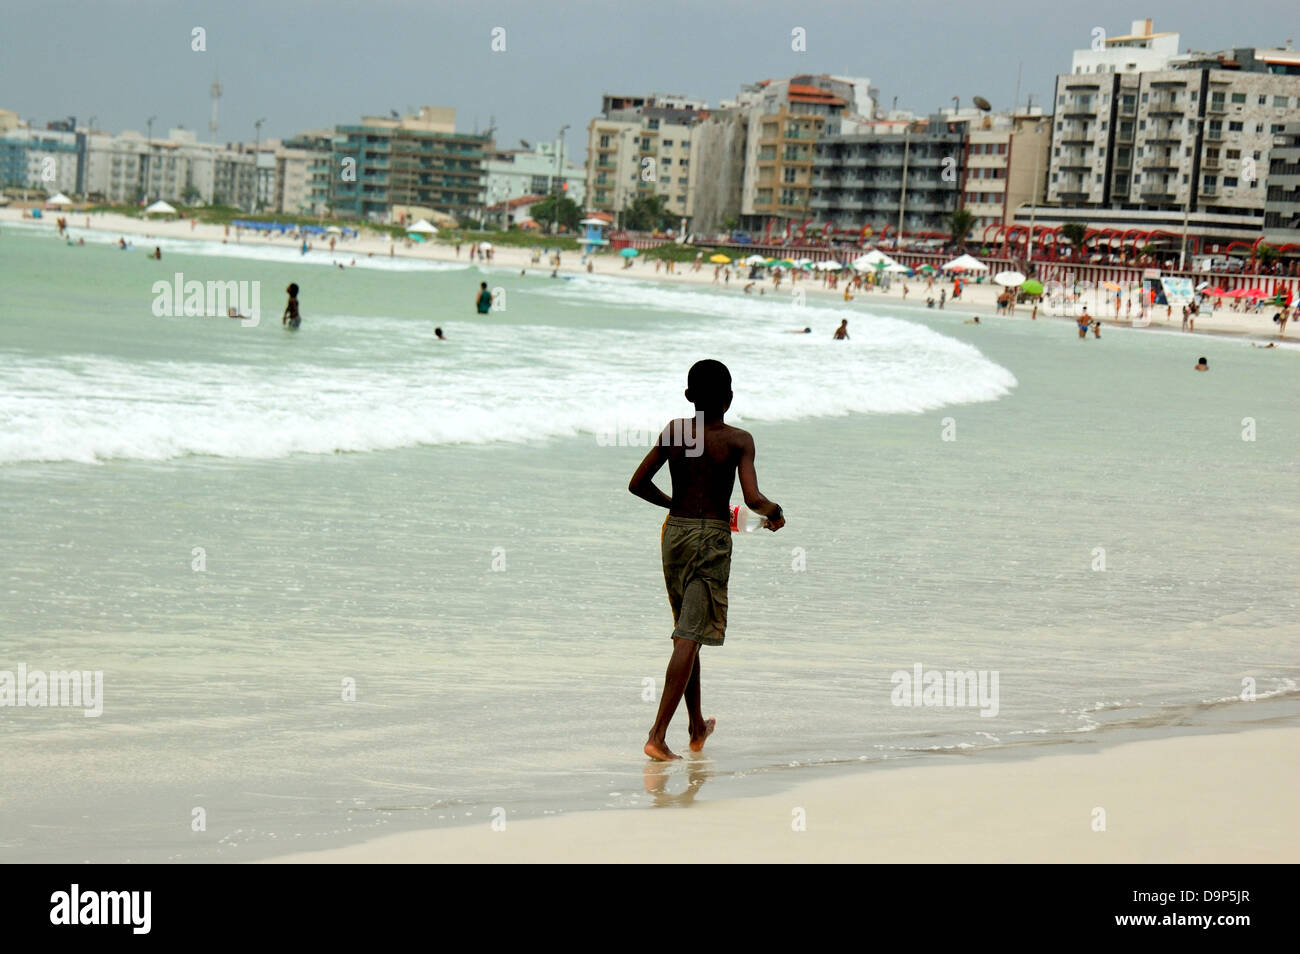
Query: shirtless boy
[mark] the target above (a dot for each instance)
(703, 455)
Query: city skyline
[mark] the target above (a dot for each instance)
(554, 65)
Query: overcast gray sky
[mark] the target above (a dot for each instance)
(314, 63)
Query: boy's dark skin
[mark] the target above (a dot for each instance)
(701, 489)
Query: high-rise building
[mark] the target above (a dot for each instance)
(1282, 198)
(786, 118)
(514, 173)
(409, 166)
(1146, 136)
(641, 146)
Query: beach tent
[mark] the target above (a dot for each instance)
(897, 269)
(965, 263)
(160, 208)
(828, 266)
(485, 245)
(425, 227)
(1009, 279)
(58, 199)
(872, 259)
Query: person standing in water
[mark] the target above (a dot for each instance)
(484, 300)
(704, 456)
(291, 319)
(842, 332)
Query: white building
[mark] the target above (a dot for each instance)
(514, 173)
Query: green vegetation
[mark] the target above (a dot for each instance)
(1076, 232)
(543, 213)
(961, 221)
(647, 213)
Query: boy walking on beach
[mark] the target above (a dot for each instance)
(703, 455)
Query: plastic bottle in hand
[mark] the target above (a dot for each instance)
(744, 520)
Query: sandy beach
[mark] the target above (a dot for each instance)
(1192, 799)
(976, 298)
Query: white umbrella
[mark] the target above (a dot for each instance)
(61, 199)
(872, 259)
(1009, 279)
(754, 260)
(828, 266)
(897, 269)
(484, 244)
(335, 230)
(423, 227)
(966, 263)
(160, 208)
(593, 222)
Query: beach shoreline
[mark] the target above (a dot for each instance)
(1214, 798)
(977, 299)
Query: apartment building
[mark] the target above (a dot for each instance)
(888, 168)
(1005, 166)
(402, 165)
(1143, 133)
(642, 146)
(49, 159)
(786, 119)
(1282, 196)
(541, 169)
(303, 173)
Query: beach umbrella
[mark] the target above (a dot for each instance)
(754, 260)
(334, 230)
(965, 263)
(1009, 279)
(485, 245)
(1111, 285)
(61, 199)
(629, 253)
(785, 262)
(719, 259)
(896, 269)
(158, 208)
(927, 268)
(1216, 291)
(1032, 286)
(828, 266)
(1255, 293)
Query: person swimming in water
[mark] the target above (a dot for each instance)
(484, 300)
(440, 335)
(1202, 365)
(291, 318)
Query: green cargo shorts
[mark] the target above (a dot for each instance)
(697, 564)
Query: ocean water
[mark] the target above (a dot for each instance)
(353, 579)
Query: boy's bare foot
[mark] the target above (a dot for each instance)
(697, 742)
(660, 752)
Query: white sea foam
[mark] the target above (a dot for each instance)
(371, 383)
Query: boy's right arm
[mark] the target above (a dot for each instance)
(754, 499)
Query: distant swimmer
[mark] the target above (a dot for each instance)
(304, 246)
(1271, 344)
(291, 318)
(973, 320)
(799, 331)
(484, 300)
(1202, 365)
(842, 332)
(234, 313)
(1096, 327)
(157, 253)
(121, 242)
(440, 335)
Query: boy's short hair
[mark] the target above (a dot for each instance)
(708, 385)
(293, 290)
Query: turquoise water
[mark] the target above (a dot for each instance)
(446, 524)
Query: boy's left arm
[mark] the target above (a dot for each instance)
(642, 483)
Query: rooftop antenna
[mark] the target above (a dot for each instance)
(215, 92)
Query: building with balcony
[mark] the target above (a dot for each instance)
(642, 146)
(1282, 188)
(539, 170)
(400, 167)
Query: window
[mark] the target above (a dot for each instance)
(652, 124)
(1263, 101)
(686, 144)
(1144, 97)
(1099, 178)
(668, 143)
(1211, 181)
(1104, 124)
(1238, 98)
(1229, 181)
(1280, 101)
(1234, 127)
(666, 161)
(1142, 124)
(645, 143)
(604, 142)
